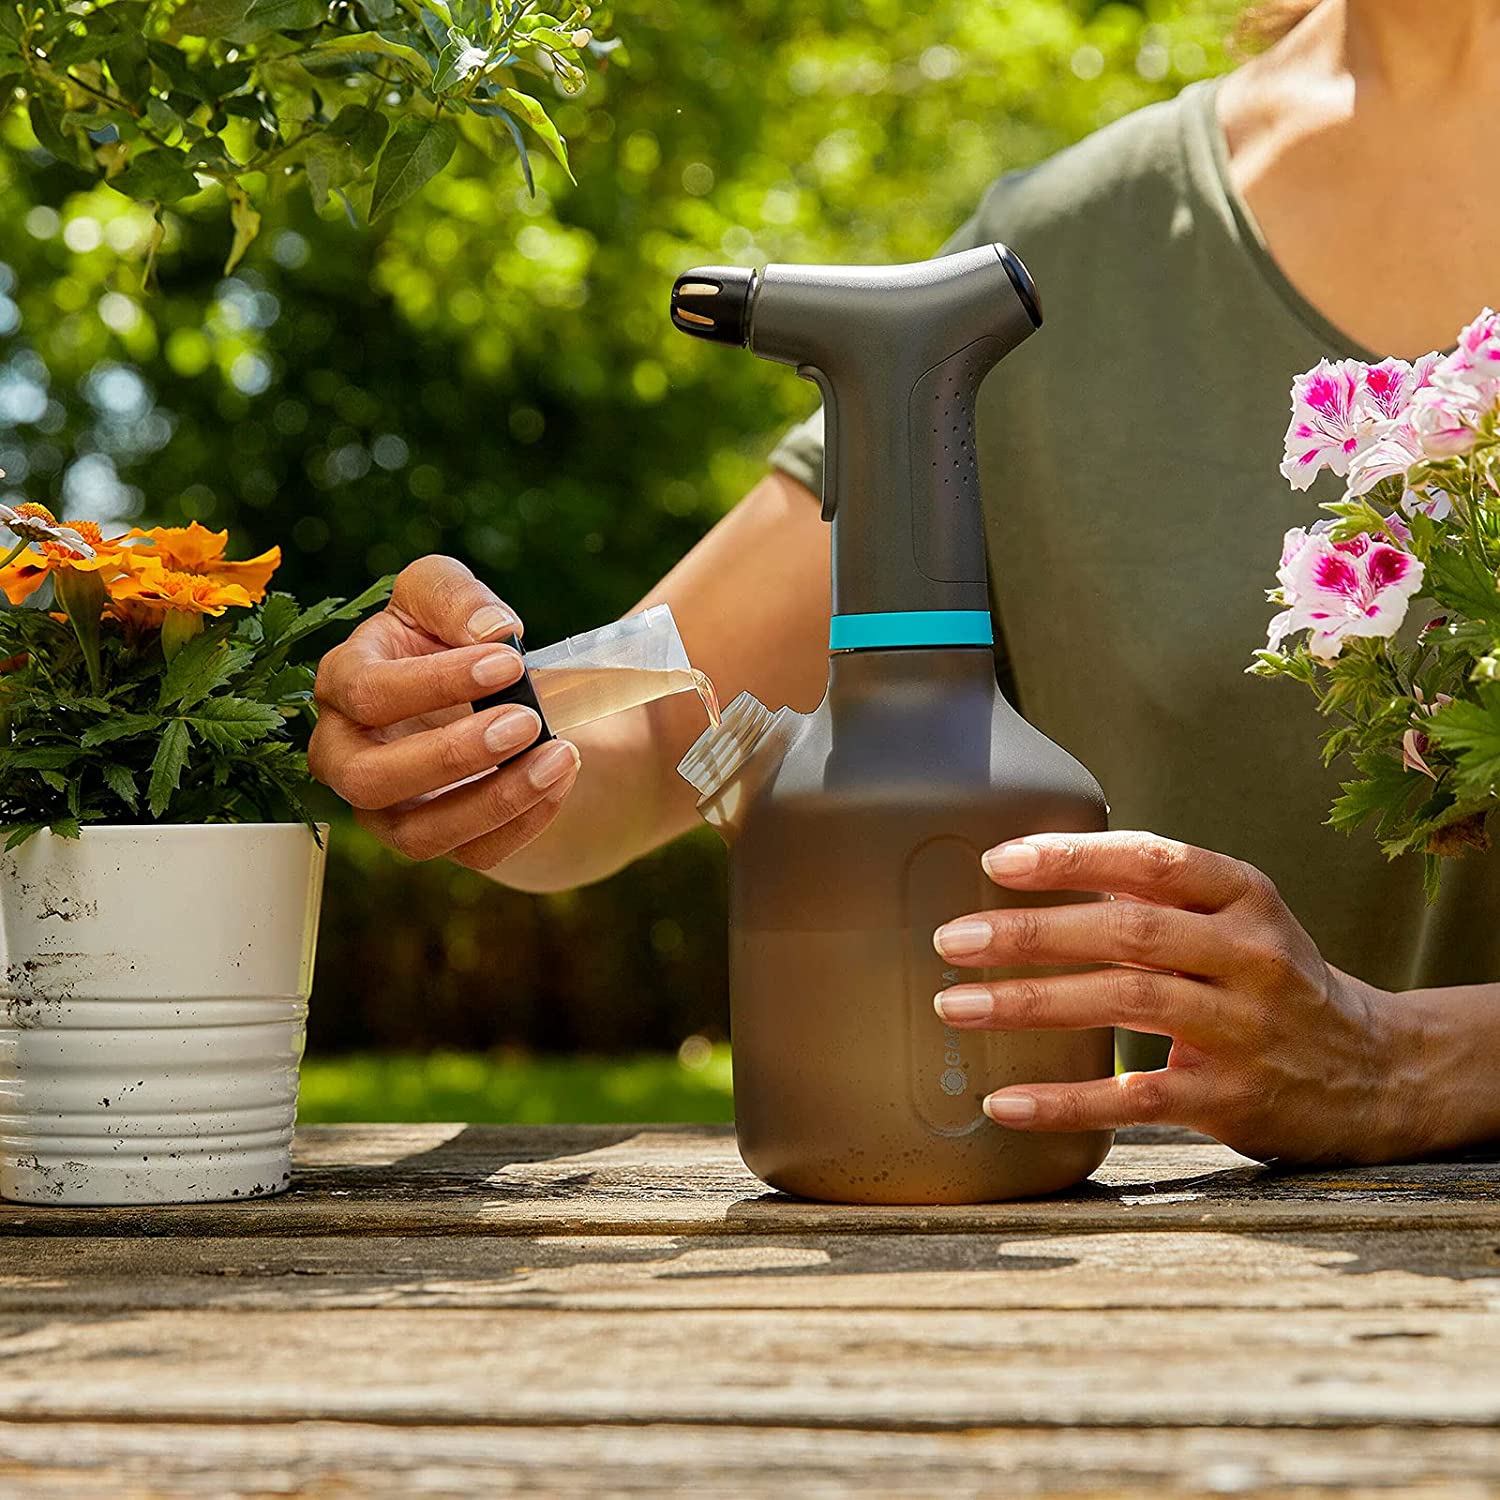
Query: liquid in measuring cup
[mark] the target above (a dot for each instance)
(578, 694)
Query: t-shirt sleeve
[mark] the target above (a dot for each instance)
(800, 451)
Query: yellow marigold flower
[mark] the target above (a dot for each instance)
(147, 595)
(195, 549)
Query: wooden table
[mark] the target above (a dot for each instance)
(453, 1310)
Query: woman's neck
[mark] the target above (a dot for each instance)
(1360, 144)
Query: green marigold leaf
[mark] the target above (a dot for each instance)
(166, 766)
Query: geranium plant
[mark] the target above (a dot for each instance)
(161, 685)
(364, 99)
(1414, 704)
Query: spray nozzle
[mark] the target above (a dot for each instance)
(713, 303)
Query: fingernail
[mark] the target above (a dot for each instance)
(1012, 859)
(549, 766)
(964, 1002)
(497, 668)
(1010, 1109)
(492, 620)
(512, 730)
(962, 939)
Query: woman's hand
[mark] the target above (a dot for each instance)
(1274, 1052)
(396, 733)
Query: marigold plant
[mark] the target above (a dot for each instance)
(1392, 604)
(161, 685)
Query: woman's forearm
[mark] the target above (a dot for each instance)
(752, 603)
(1444, 1065)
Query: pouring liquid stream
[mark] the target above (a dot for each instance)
(571, 696)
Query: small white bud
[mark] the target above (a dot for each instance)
(582, 37)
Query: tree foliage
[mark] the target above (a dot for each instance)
(365, 99)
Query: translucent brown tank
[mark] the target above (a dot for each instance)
(857, 831)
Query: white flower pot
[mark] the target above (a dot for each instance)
(153, 1005)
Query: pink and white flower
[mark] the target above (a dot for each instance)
(1476, 360)
(1361, 586)
(1326, 424)
(1444, 417)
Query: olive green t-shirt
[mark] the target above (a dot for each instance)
(1134, 514)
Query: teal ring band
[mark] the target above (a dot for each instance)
(911, 627)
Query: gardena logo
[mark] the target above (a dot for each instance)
(954, 1079)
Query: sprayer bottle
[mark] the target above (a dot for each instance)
(857, 830)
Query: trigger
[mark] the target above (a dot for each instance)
(830, 434)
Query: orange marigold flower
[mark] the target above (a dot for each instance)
(148, 594)
(196, 549)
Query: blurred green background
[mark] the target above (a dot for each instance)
(492, 375)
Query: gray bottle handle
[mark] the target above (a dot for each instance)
(899, 353)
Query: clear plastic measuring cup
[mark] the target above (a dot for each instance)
(622, 665)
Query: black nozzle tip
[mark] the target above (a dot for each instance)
(1020, 278)
(713, 302)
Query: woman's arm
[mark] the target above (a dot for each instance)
(397, 739)
(752, 603)
(1275, 1052)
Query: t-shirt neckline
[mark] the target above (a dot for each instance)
(1201, 113)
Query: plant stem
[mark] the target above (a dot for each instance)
(14, 553)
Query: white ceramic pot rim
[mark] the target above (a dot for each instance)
(134, 830)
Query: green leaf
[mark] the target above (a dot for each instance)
(65, 828)
(39, 758)
(535, 116)
(226, 723)
(362, 130)
(331, 610)
(416, 152)
(372, 43)
(246, 222)
(509, 121)
(1470, 732)
(120, 727)
(166, 766)
(1384, 792)
(121, 782)
(276, 616)
(47, 125)
(159, 176)
(209, 18)
(20, 832)
(205, 664)
(286, 15)
(1461, 582)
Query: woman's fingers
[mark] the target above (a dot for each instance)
(362, 681)
(1093, 932)
(1142, 999)
(1133, 864)
(371, 773)
(489, 805)
(442, 598)
(1172, 1096)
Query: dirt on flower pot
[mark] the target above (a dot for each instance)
(153, 1006)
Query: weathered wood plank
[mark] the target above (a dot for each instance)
(688, 1180)
(1178, 1272)
(839, 1367)
(103, 1461)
